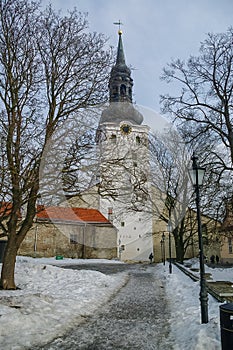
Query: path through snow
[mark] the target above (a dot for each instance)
(135, 319)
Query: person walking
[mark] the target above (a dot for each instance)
(212, 259)
(151, 257)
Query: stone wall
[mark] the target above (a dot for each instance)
(226, 253)
(71, 241)
(211, 244)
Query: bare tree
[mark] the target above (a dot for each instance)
(170, 161)
(50, 68)
(204, 106)
(203, 109)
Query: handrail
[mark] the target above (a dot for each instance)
(196, 278)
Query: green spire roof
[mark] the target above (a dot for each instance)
(120, 51)
(120, 92)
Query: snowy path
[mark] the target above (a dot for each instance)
(135, 319)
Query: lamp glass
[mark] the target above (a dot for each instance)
(200, 175)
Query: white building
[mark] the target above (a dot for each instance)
(124, 166)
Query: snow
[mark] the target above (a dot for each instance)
(186, 327)
(51, 300)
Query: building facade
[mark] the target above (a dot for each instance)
(226, 236)
(70, 232)
(124, 176)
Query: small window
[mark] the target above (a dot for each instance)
(123, 90)
(110, 217)
(73, 239)
(122, 224)
(230, 245)
(113, 138)
(135, 164)
(134, 155)
(204, 234)
(114, 90)
(138, 140)
(204, 229)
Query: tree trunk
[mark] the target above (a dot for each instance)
(8, 267)
(179, 246)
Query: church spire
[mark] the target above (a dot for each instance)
(120, 83)
(120, 92)
(120, 51)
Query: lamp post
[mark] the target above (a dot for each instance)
(169, 228)
(197, 175)
(162, 242)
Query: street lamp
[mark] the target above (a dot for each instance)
(161, 244)
(169, 228)
(197, 175)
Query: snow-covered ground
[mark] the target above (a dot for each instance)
(186, 328)
(51, 300)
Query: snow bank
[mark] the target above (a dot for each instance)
(50, 301)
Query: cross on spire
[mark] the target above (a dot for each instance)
(119, 24)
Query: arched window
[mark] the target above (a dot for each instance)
(229, 245)
(113, 138)
(138, 140)
(114, 92)
(130, 92)
(123, 90)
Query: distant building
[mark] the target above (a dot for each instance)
(70, 232)
(226, 235)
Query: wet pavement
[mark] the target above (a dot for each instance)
(107, 268)
(136, 318)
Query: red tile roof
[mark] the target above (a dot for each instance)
(5, 210)
(71, 214)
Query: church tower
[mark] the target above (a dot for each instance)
(120, 83)
(124, 165)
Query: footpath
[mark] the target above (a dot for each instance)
(135, 319)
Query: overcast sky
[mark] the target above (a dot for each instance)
(154, 31)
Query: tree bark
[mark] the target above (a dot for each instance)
(179, 244)
(8, 266)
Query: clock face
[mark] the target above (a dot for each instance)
(125, 129)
